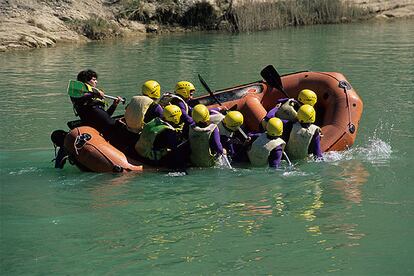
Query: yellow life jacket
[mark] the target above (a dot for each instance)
(261, 148)
(299, 141)
(135, 112)
(201, 155)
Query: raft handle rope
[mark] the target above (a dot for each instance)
(80, 141)
(346, 86)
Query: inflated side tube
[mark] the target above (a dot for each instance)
(88, 148)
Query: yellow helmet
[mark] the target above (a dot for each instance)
(306, 114)
(274, 127)
(172, 114)
(233, 120)
(151, 89)
(184, 89)
(200, 114)
(307, 96)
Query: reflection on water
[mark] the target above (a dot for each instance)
(351, 179)
(351, 175)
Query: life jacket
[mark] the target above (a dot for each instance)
(135, 112)
(299, 140)
(199, 137)
(145, 145)
(287, 111)
(169, 98)
(225, 131)
(77, 89)
(217, 118)
(261, 148)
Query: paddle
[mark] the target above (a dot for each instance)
(226, 161)
(209, 90)
(217, 100)
(272, 77)
(76, 89)
(123, 99)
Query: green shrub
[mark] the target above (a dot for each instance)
(96, 28)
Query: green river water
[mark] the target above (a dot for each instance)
(350, 215)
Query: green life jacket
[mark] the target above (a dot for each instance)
(199, 137)
(77, 89)
(287, 111)
(145, 145)
(261, 148)
(299, 141)
(135, 112)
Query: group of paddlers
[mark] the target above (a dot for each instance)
(166, 131)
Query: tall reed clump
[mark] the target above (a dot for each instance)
(250, 15)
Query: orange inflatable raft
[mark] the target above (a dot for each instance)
(91, 152)
(338, 111)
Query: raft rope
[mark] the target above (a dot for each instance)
(346, 86)
(80, 141)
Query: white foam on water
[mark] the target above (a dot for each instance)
(377, 150)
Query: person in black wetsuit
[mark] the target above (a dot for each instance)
(90, 107)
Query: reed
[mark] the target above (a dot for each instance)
(250, 15)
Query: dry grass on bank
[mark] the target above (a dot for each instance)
(252, 15)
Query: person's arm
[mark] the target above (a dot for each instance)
(61, 157)
(315, 146)
(158, 111)
(215, 143)
(177, 162)
(275, 157)
(227, 144)
(112, 108)
(154, 111)
(272, 112)
(185, 116)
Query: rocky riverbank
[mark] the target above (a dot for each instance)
(26, 24)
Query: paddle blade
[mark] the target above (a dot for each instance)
(272, 77)
(76, 89)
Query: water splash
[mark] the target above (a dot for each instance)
(376, 151)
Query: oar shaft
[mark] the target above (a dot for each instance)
(203, 82)
(114, 98)
(287, 158)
